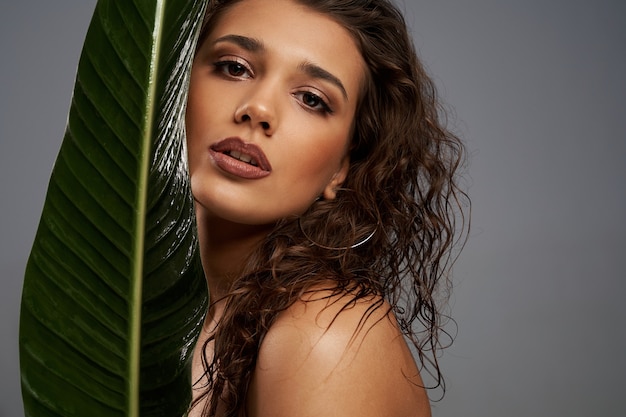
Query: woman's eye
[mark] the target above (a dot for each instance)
(236, 70)
(233, 69)
(315, 102)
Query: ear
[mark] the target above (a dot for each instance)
(330, 191)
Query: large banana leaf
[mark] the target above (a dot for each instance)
(114, 293)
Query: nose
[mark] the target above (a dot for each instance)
(258, 109)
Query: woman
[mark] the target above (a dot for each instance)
(325, 201)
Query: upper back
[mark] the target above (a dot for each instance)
(330, 356)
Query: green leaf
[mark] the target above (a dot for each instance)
(114, 294)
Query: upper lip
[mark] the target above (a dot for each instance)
(236, 144)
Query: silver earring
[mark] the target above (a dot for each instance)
(356, 245)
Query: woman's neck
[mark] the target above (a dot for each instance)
(224, 249)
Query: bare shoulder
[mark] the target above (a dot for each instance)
(331, 356)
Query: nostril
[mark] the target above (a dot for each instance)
(265, 125)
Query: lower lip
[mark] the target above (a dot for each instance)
(238, 168)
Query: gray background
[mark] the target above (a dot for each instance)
(538, 93)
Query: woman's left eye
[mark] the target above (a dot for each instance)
(314, 101)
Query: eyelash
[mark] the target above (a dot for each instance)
(224, 67)
(325, 108)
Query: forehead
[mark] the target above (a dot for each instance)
(296, 34)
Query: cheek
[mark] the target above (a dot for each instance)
(201, 116)
(201, 101)
(198, 107)
(194, 142)
(194, 115)
(318, 161)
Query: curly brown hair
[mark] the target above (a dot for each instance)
(402, 186)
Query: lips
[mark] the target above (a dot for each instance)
(240, 159)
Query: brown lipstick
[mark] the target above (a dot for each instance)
(244, 160)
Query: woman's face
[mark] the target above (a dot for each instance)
(273, 94)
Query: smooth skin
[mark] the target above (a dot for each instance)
(313, 362)
(287, 79)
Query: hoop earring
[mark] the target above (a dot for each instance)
(356, 245)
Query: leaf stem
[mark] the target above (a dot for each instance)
(143, 178)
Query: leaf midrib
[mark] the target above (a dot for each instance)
(141, 204)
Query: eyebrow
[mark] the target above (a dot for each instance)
(316, 71)
(249, 44)
(312, 70)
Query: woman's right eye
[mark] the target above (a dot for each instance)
(233, 69)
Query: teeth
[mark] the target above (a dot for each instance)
(242, 157)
